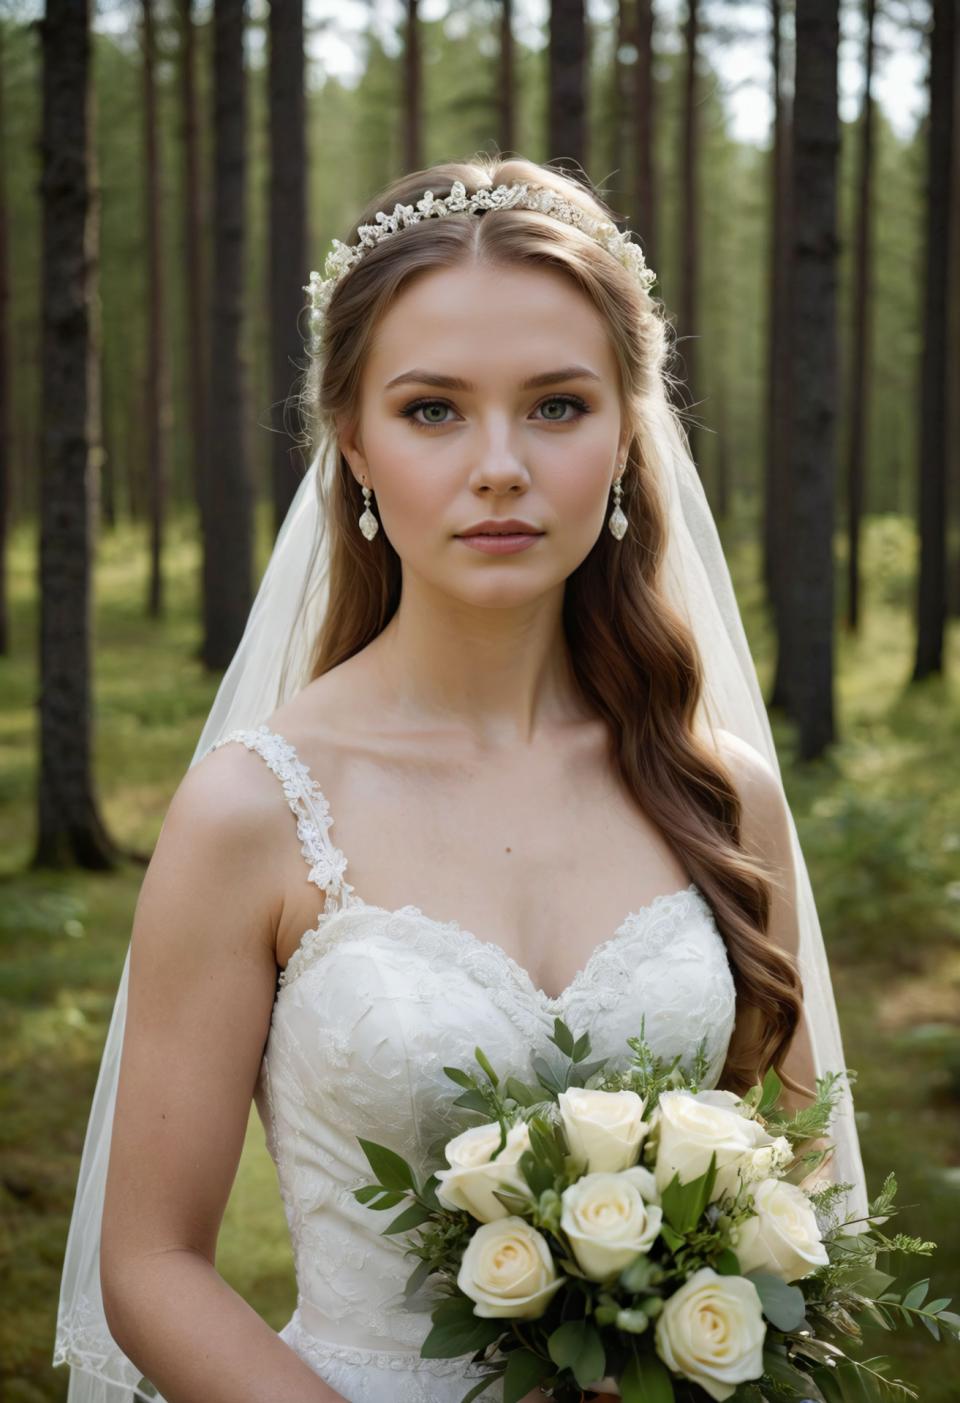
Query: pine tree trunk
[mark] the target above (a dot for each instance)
(690, 222)
(776, 535)
(567, 84)
(6, 494)
(813, 325)
(196, 311)
(228, 561)
(288, 231)
(645, 115)
(412, 83)
(506, 104)
(861, 333)
(156, 396)
(70, 829)
(932, 583)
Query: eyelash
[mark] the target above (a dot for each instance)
(409, 410)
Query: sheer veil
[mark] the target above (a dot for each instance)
(272, 663)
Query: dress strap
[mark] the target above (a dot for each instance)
(327, 863)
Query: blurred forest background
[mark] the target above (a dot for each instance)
(170, 170)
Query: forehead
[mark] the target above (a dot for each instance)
(476, 319)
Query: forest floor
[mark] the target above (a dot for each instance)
(879, 822)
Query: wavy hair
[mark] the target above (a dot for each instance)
(634, 658)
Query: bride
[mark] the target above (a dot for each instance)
(494, 741)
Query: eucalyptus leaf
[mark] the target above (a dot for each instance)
(783, 1305)
(917, 1292)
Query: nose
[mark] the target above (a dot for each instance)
(499, 468)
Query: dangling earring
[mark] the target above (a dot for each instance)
(368, 523)
(617, 521)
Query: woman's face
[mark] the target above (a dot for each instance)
(440, 457)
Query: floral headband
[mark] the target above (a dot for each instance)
(342, 257)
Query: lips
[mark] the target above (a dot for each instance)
(502, 529)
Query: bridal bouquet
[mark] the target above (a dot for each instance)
(625, 1232)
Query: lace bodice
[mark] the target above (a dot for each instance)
(369, 1010)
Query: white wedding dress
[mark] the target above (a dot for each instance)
(369, 1010)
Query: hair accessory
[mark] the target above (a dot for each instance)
(522, 195)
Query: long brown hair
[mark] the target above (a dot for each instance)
(634, 657)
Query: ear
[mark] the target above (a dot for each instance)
(351, 446)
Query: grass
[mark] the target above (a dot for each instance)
(880, 825)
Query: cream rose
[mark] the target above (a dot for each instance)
(507, 1270)
(605, 1128)
(784, 1237)
(610, 1218)
(712, 1331)
(473, 1175)
(692, 1126)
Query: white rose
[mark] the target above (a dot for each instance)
(768, 1160)
(508, 1271)
(472, 1177)
(784, 1237)
(691, 1127)
(605, 1128)
(610, 1218)
(712, 1331)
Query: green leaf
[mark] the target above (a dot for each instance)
(783, 1305)
(481, 1057)
(521, 1093)
(581, 1047)
(941, 1303)
(417, 1277)
(473, 1101)
(915, 1295)
(391, 1169)
(683, 1204)
(867, 1280)
(457, 1330)
(562, 1037)
(770, 1095)
(577, 1346)
(390, 1199)
(671, 1238)
(461, 1078)
(523, 1372)
(778, 1368)
(411, 1217)
(477, 1389)
(727, 1263)
(646, 1379)
(931, 1326)
(368, 1192)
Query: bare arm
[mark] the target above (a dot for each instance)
(200, 996)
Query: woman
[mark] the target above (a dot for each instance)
(530, 773)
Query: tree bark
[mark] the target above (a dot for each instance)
(506, 104)
(228, 560)
(70, 829)
(645, 117)
(196, 310)
(288, 231)
(156, 387)
(567, 83)
(861, 331)
(412, 85)
(813, 327)
(931, 603)
(690, 220)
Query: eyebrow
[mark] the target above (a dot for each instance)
(417, 376)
